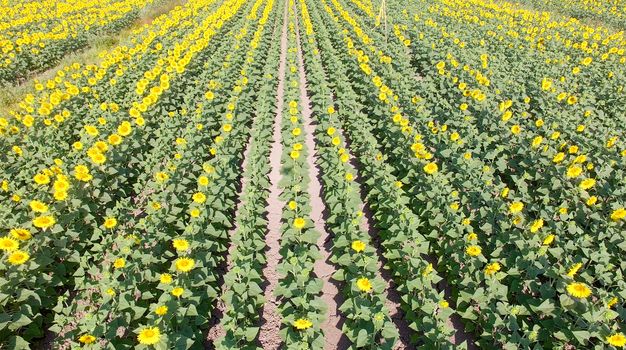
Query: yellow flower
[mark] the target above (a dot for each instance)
(161, 310)
(612, 302)
(195, 212)
(299, 223)
(574, 269)
(574, 171)
(618, 214)
(548, 240)
(444, 304)
(124, 128)
(110, 292)
(516, 207)
(578, 290)
(296, 132)
(349, 177)
(114, 139)
(358, 246)
(180, 244)
(161, 177)
(516, 129)
(473, 250)
(558, 157)
(41, 179)
(203, 181)
(492, 268)
(91, 130)
(330, 110)
(44, 222)
(8, 244)
(431, 168)
(294, 154)
(472, 236)
(199, 197)
(592, 200)
(110, 222)
(166, 278)
(149, 336)
(302, 324)
(81, 173)
(184, 264)
(505, 192)
(18, 257)
(178, 291)
(293, 205)
(618, 340)
(364, 284)
(119, 263)
(227, 127)
(427, 270)
(536, 225)
(87, 339)
(20, 233)
(587, 183)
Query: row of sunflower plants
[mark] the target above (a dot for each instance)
(424, 304)
(368, 324)
(242, 293)
(77, 218)
(574, 284)
(298, 289)
(37, 36)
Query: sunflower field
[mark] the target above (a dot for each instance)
(314, 174)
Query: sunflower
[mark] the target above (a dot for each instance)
(20, 233)
(473, 250)
(18, 257)
(618, 340)
(119, 263)
(87, 339)
(165, 278)
(618, 214)
(431, 168)
(110, 222)
(44, 222)
(149, 336)
(178, 291)
(161, 310)
(492, 268)
(184, 264)
(8, 244)
(578, 290)
(299, 223)
(358, 246)
(199, 197)
(38, 207)
(587, 183)
(536, 225)
(364, 284)
(302, 324)
(180, 244)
